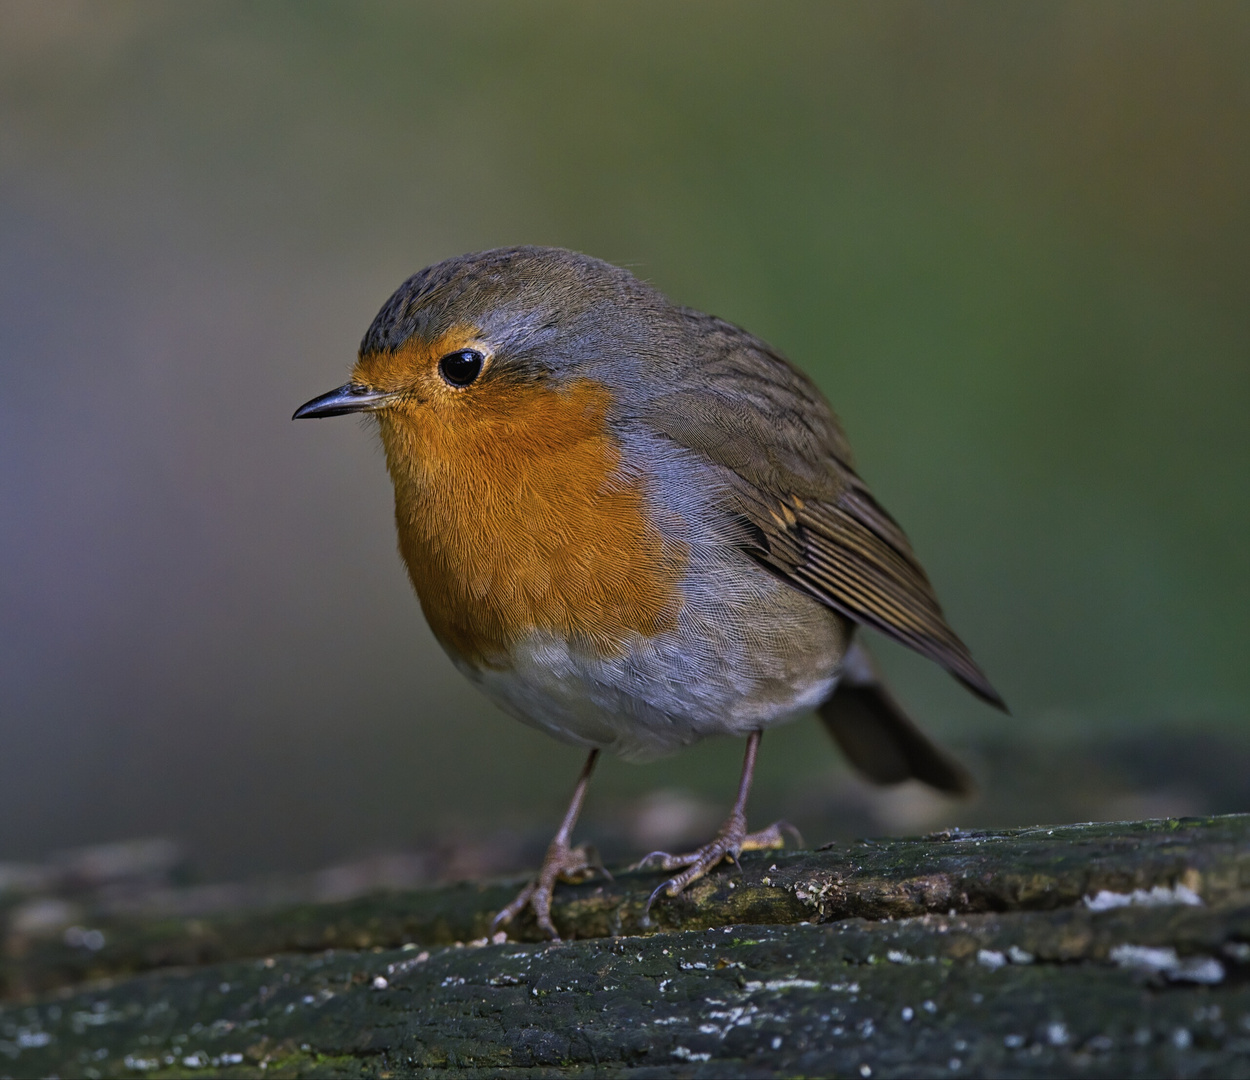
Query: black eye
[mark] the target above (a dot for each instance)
(461, 368)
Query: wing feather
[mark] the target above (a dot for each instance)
(811, 518)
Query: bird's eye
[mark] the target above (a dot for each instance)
(461, 368)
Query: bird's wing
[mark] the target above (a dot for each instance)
(806, 515)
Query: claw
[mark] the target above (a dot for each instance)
(594, 863)
(729, 843)
(726, 846)
(562, 862)
(645, 920)
(573, 865)
(641, 864)
(507, 914)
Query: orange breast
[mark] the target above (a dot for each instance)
(514, 515)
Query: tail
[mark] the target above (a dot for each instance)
(879, 738)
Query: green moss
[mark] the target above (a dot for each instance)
(1024, 977)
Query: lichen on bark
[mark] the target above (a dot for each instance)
(1080, 950)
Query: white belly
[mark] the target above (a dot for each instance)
(674, 690)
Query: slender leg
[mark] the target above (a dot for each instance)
(728, 843)
(562, 861)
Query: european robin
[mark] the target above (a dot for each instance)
(634, 525)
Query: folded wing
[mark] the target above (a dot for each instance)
(805, 514)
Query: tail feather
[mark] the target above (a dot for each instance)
(879, 738)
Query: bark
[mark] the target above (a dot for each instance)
(956, 954)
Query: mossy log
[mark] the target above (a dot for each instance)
(959, 954)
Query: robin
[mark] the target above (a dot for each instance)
(634, 525)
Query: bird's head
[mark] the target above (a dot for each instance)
(467, 341)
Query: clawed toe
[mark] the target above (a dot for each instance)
(729, 843)
(697, 864)
(645, 862)
(562, 863)
(663, 860)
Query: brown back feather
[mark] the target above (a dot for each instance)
(810, 517)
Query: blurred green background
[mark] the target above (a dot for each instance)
(1011, 242)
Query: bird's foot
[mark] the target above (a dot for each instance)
(562, 863)
(729, 843)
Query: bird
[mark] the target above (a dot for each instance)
(633, 526)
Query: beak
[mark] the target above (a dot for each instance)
(348, 398)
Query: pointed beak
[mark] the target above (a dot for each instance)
(348, 398)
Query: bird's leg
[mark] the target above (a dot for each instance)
(728, 843)
(562, 861)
